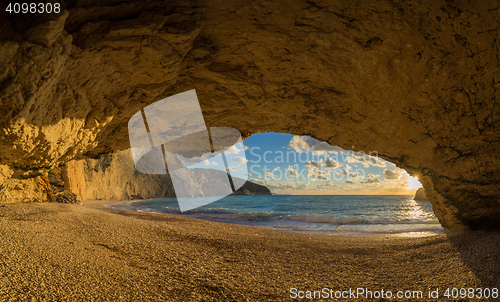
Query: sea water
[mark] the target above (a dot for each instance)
(353, 215)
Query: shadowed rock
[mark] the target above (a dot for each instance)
(420, 194)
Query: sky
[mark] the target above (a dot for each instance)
(301, 165)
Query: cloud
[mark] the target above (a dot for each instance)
(327, 163)
(392, 174)
(285, 185)
(312, 163)
(319, 177)
(239, 160)
(345, 172)
(348, 167)
(309, 144)
(331, 164)
(372, 176)
(277, 168)
(249, 174)
(355, 175)
(209, 163)
(316, 171)
(370, 181)
(292, 172)
(246, 148)
(326, 186)
(232, 150)
(366, 160)
(270, 174)
(352, 181)
(233, 169)
(352, 160)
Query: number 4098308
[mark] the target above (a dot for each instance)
(33, 8)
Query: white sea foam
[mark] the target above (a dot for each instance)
(326, 215)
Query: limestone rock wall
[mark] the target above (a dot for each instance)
(114, 177)
(417, 81)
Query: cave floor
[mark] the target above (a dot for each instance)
(70, 252)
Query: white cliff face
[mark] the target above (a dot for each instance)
(114, 177)
(417, 82)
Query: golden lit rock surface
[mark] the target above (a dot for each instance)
(114, 177)
(416, 81)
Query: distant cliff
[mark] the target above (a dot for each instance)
(420, 195)
(251, 188)
(114, 177)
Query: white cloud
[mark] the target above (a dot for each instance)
(316, 171)
(292, 172)
(326, 186)
(232, 150)
(372, 176)
(355, 175)
(285, 185)
(209, 163)
(352, 160)
(309, 144)
(312, 163)
(392, 174)
(239, 159)
(270, 174)
(331, 164)
(319, 177)
(249, 174)
(277, 168)
(370, 181)
(366, 160)
(246, 147)
(345, 172)
(352, 181)
(327, 163)
(233, 169)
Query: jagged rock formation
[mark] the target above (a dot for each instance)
(66, 197)
(420, 195)
(114, 177)
(417, 81)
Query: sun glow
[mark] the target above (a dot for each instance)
(413, 183)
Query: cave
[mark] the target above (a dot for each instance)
(416, 81)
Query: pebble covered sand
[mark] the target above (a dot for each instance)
(64, 252)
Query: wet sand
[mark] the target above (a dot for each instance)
(62, 252)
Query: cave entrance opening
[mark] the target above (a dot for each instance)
(318, 187)
(295, 183)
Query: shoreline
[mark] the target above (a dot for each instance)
(91, 252)
(299, 226)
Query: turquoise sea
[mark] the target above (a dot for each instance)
(358, 215)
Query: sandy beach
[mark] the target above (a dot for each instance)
(65, 252)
